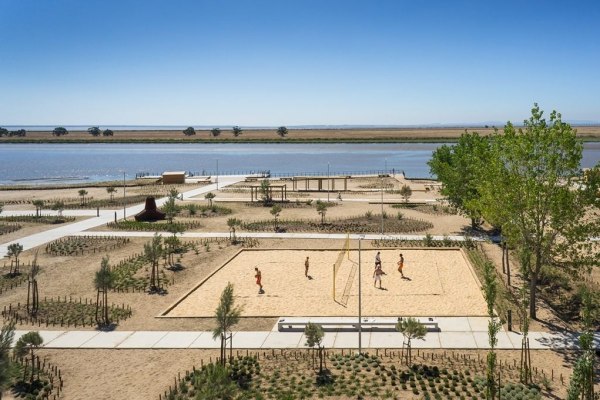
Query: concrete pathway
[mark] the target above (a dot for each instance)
(273, 235)
(296, 340)
(106, 216)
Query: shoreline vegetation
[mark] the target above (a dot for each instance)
(358, 135)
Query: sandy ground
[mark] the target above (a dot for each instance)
(340, 134)
(31, 228)
(437, 283)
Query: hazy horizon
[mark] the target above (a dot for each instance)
(272, 63)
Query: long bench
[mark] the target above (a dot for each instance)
(299, 324)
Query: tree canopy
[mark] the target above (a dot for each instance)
(60, 131)
(189, 131)
(282, 131)
(237, 131)
(94, 131)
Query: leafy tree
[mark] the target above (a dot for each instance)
(227, 315)
(33, 298)
(490, 290)
(237, 131)
(529, 188)
(459, 167)
(210, 196)
(314, 338)
(232, 223)
(38, 204)
(189, 131)
(14, 250)
(111, 190)
(275, 211)
(103, 282)
(322, 210)
(28, 344)
(94, 131)
(18, 132)
(405, 192)
(170, 209)
(3, 132)
(215, 132)
(153, 250)
(265, 191)
(58, 206)
(7, 369)
(581, 385)
(82, 194)
(172, 243)
(107, 132)
(411, 329)
(60, 131)
(282, 131)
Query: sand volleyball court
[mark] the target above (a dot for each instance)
(438, 283)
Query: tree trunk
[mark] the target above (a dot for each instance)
(97, 306)
(32, 364)
(320, 360)
(106, 320)
(533, 278)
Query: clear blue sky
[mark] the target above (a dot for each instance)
(285, 62)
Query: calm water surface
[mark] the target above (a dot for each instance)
(20, 163)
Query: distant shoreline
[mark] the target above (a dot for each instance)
(354, 135)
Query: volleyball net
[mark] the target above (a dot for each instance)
(344, 253)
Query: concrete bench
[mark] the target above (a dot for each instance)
(389, 324)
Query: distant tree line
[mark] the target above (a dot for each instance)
(6, 132)
(282, 131)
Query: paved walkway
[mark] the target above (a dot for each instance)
(106, 216)
(296, 340)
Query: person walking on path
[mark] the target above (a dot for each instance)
(377, 277)
(306, 265)
(401, 265)
(258, 277)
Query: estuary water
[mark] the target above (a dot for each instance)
(51, 163)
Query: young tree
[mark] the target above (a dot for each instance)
(529, 188)
(282, 131)
(189, 131)
(210, 196)
(314, 338)
(38, 204)
(14, 250)
(215, 383)
(215, 132)
(581, 385)
(405, 192)
(111, 190)
(60, 131)
(227, 315)
(170, 209)
(237, 131)
(7, 369)
(33, 299)
(411, 329)
(232, 223)
(275, 211)
(172, 243)
(58, 206)
(107, 132)
(459, 167)
(103, 282)
(28, 344)
(153, 250)
(265, 191)
(82, 194)
(94, 131)
(490, 290)
(322, 210)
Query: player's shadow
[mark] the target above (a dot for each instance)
(382, 288)
(406, 278)
(310, 278)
